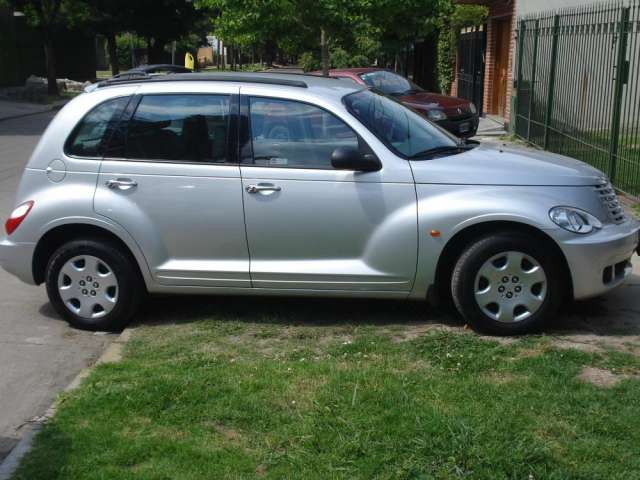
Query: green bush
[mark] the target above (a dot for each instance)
(309, 62)
(123, 47)
(340, 58)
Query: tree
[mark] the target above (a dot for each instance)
(253, 24)
(110, 18)
(48, 16)
(329, 20)
(162, 21)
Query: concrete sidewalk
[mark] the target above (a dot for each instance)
(488, 127)
(10, 109)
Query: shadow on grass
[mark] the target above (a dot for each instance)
(40, 463)
(617, 313)
(291, 311)
(614, 314)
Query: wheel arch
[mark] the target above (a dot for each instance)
(456, 245)
(60, 234)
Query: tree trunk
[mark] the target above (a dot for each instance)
(156, 51)
(324, 47)
(113, 54)
(52, 84)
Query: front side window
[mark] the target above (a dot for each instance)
(286, 133)
(91, 136)
(190, 128)
(397, 126)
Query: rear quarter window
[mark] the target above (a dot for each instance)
(91, 136)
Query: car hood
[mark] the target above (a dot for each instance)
(431, 101)
(487, 165)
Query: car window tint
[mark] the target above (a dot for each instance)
(191, 128)
(398, 127)
(293, 134)
(90, 137)
(389, 83)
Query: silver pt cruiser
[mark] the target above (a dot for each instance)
(274, 184)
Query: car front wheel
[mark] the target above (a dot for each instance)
(507, 284)
(93, 285)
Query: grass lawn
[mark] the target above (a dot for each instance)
(248, 393)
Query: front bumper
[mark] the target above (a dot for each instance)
(461, 127)
(600, 261)
(17, 259)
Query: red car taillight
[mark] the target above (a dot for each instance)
(17, 216)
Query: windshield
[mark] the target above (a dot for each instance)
(398, 127)
(389, 83)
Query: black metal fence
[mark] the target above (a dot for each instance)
(577, 86)
(471, 48)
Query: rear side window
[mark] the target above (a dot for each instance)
(92, 134)
(292, 134)
(191, 128)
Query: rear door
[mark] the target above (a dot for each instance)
(311, 227)
(172, 180)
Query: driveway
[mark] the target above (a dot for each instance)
(39, 353)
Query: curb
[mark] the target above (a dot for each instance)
(112, 354)
(52, 108)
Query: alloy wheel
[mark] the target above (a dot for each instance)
(88, 287)
(510, 286)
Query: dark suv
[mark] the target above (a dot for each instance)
(457, 115)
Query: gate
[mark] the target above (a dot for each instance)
(577, 89)
(471, 47)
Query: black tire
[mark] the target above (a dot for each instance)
(463, 282)
(130, 289)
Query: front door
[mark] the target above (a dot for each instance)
(174, 187)
(311, 227)
(501, 67)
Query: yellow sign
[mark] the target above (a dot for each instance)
(188, 61)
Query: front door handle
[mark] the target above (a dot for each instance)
(121, 183)
(262, 187)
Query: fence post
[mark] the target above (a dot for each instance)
(552, 79)
(521, 32)
(620, 80)
(533, 77)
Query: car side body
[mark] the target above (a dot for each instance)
(258, 227)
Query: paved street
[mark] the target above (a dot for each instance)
(39, 353)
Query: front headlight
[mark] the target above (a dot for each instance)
(574, 220)
(473, 108)
(436, 115)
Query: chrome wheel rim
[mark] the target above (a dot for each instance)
(510, 287)
(88, 287)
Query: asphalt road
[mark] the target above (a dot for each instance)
(39, 353)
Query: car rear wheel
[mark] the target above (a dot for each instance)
(507, 284)
(93, 285)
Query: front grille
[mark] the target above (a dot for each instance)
(610, 201)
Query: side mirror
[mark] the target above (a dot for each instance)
(349, 158)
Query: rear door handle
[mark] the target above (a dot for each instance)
(262, 187)
(121, 183)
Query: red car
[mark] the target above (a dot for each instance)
(456, 115)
